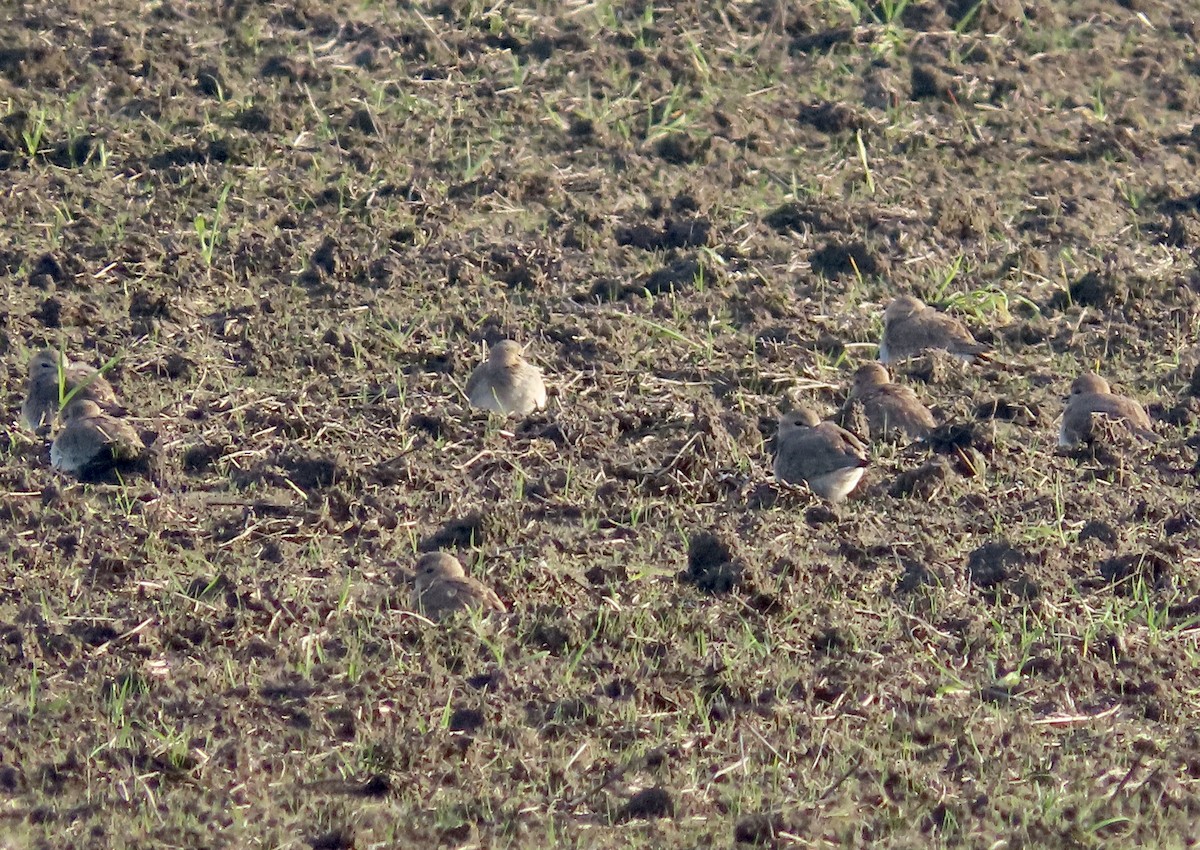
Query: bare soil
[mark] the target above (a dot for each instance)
(296, 226)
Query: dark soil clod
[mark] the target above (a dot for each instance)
(955, 438)
(761, 830)
(648, 804)
(1008, 411)
(1126, 572)
(712, 566)
(465, 720)
(678, 276)
(916, 576)
(929, 81)
(459, 533)
(838, 260)
(1091, 290)
(200, 457)
(994, 563)
(336, 839)
(289, 229)
(833, 117)
(364, 122)
(923, 481)
(820, 515)
(376, 786)
(1098, 529)
(679, 149)
(313, 473)
(205, 588)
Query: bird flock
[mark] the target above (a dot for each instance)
(95, 437)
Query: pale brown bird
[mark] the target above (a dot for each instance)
(506, 383)
(92, 442)
(911, 327)
(889, 407)
(54, 380)
(1091, 396)
(826, 457)
(442, 587)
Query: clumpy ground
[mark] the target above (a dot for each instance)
(295, 226)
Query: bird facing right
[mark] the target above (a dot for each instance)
(53, 378)
(911, 327)
(1091, 397)
(442, 587)
(826, 457)
(889, 407)
(506, 382)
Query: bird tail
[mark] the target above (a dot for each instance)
(1145, 434)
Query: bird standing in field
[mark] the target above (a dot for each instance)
(506, 383)
(911, 327)
(52, 380)
(441, 587)
(826, 457)
(1091, 397)
(889, 407)
(92, 443)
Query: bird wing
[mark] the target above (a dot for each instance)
(457, 593)
(1126, 409)
(476, 592)
(120, 437)
(818, 451)
(489, 599)
(530, 377)
(910, 336)
(93, 446)
(483, 391)
(86, 382)
(930, 329)
(844, 443)
(37, 413)
(441, 598)
(476, 380)
(790, 459)
(74, 448)
(892, 406)
(954, 334)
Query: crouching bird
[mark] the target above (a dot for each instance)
(1092, 399)
(506, 382)
(92, 443)
(889, 407)
(911, 327)
(823, 455)
(53, 378)
(442, 587)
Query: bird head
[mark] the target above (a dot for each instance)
(902, 307)
(47, 363)
(80, 408)
(797, 420)
(869, 375)
(1089, 382)
(435, 566)
(505, 353)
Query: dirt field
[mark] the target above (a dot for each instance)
(297, 225)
